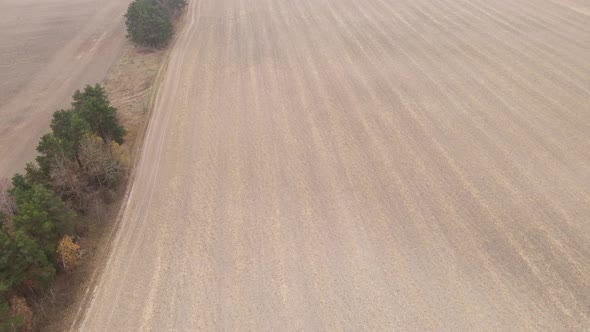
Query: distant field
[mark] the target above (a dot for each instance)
(408, 165)
(48, 49)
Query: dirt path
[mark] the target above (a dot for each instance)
(362, 165)
(48, 49)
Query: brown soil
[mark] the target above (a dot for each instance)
(48, 49)
(375, 165)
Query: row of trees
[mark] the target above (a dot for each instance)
(78, 162)
(149, 22)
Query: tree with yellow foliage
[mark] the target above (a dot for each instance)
(68, 253)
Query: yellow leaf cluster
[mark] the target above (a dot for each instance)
(68, 253)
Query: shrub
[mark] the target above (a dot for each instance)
(149, 23)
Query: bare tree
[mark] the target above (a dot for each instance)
(21, 309)
(99, 163)
(68, 180)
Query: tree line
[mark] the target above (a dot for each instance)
(79, 164)
(149, 22)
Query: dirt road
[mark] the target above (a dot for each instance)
(362, 165)
(48, 49)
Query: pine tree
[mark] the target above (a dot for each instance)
(93, 106)
(21, 259)
(12, 268)
(68, 128)
(43, 216)
(149, 23)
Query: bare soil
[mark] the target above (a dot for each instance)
(48, 49)
(362, 165)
